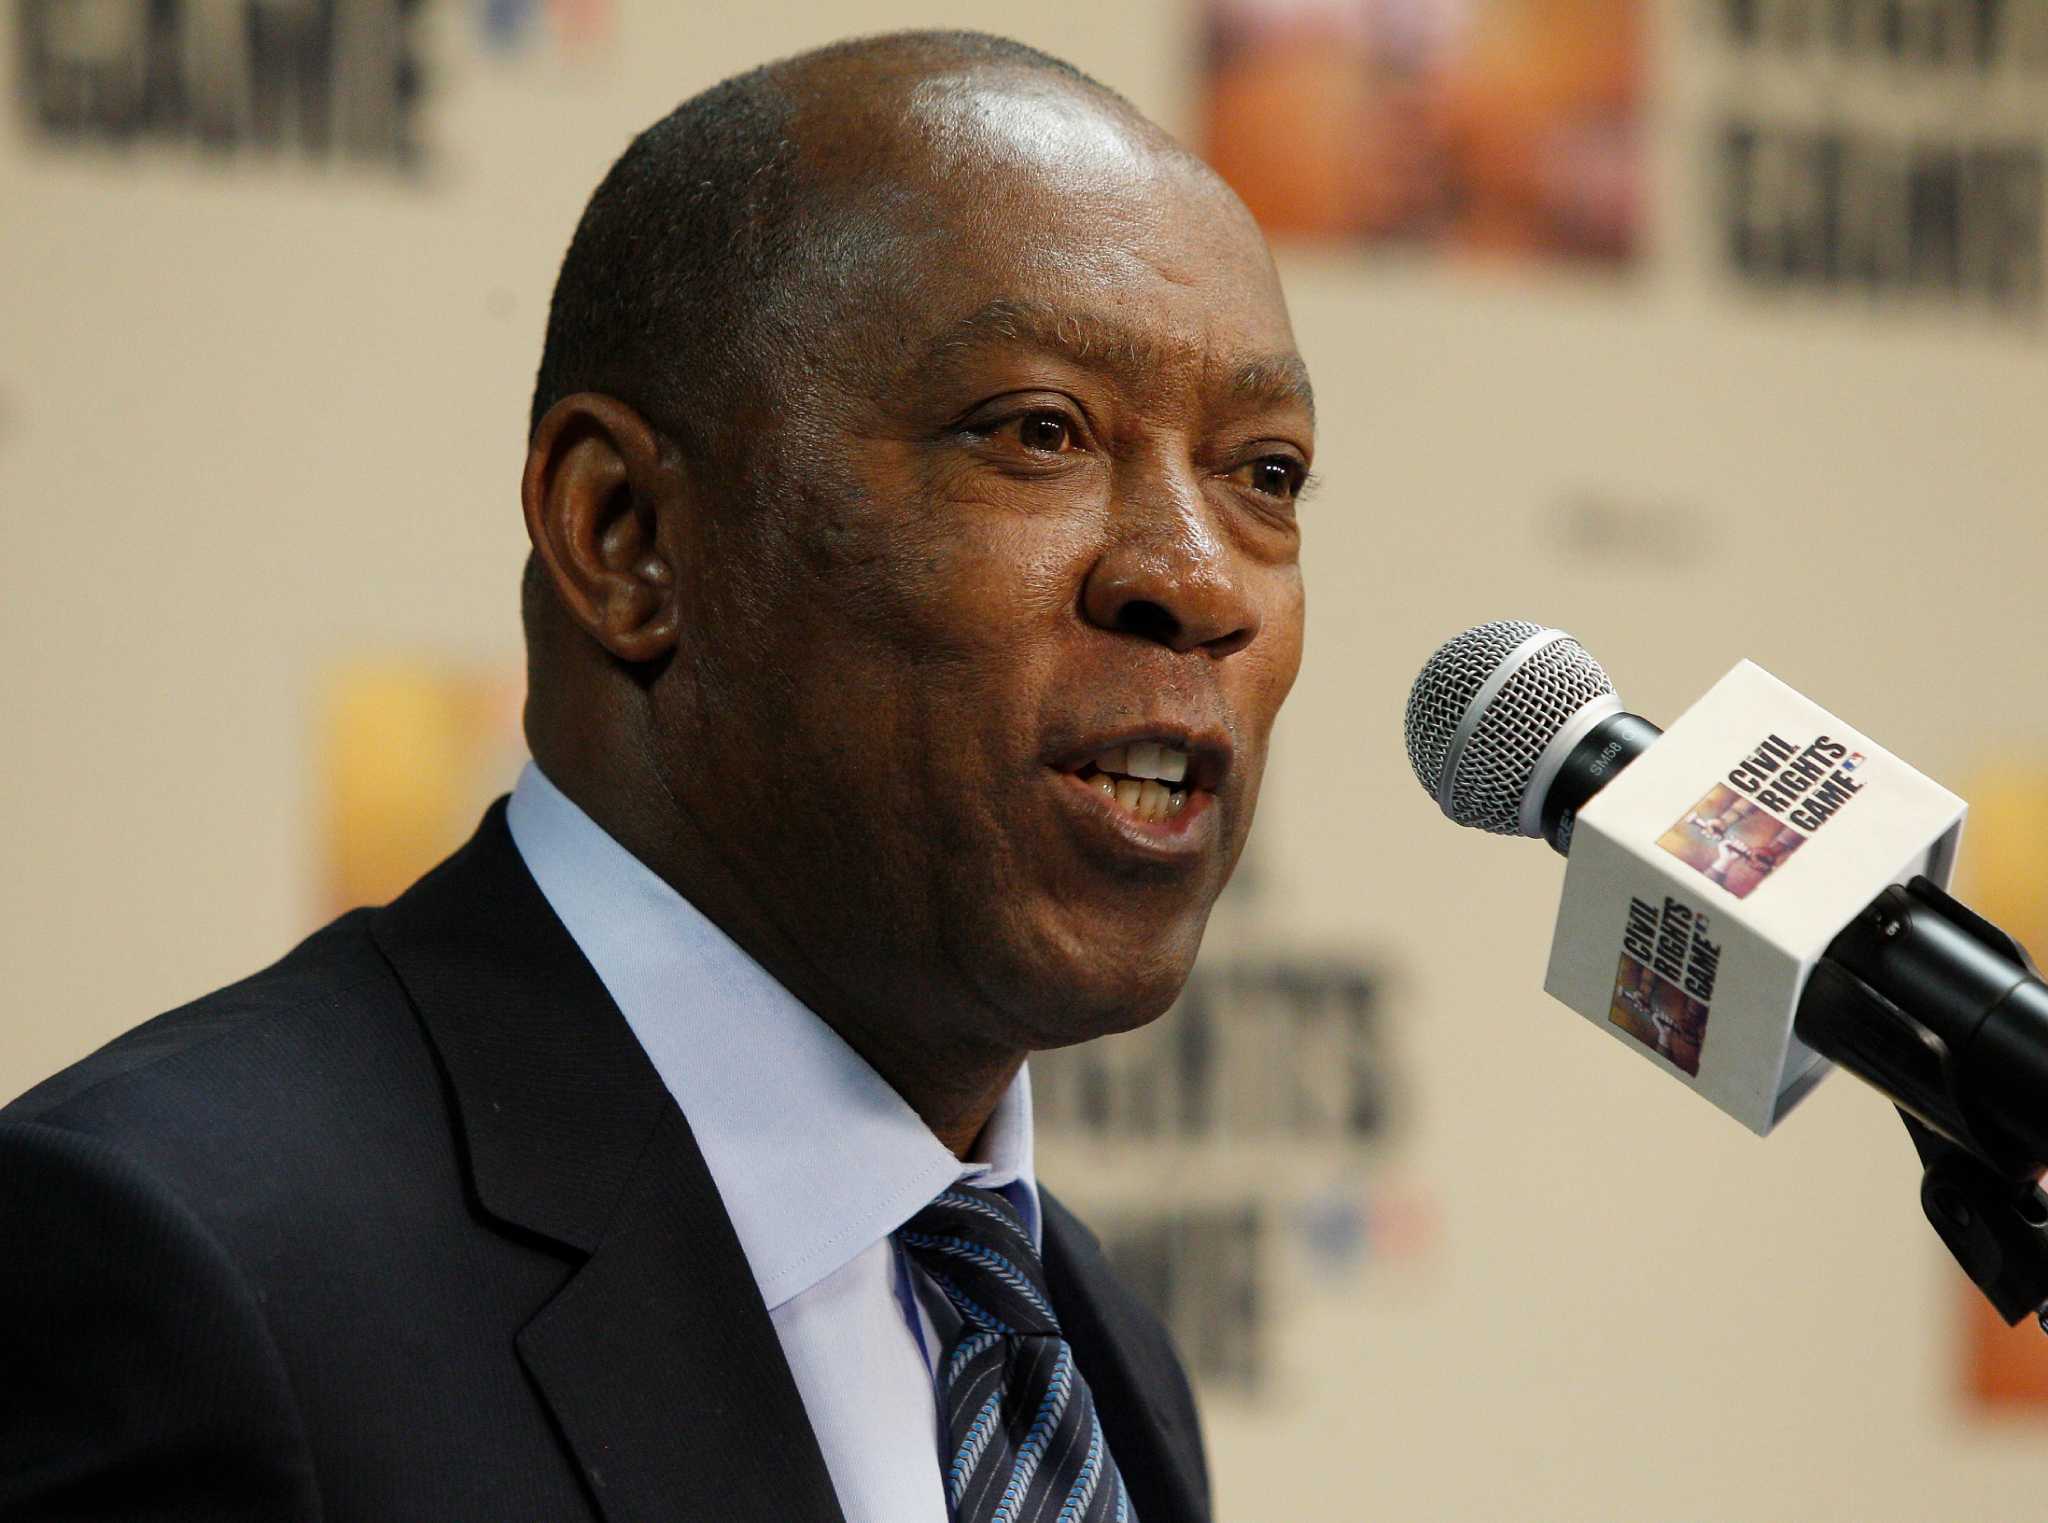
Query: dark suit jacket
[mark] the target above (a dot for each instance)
(407, 1227)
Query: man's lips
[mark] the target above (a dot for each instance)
(1151, 785)
(1184, 833)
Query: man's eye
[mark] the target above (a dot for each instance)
(1273, 475)
(1045, 433)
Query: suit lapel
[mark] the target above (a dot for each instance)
(656, 1357)
(1141, 1394)
(662, 1366)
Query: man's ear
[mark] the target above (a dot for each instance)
(599, 483)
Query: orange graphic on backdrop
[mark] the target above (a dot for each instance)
(1509, 126)
(410, 751)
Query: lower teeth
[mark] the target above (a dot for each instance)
(1147, 799)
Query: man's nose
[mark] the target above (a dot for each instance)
(1172, 577)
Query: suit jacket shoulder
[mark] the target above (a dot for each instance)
(241, 1237)
(407, 1226)
(320, 970)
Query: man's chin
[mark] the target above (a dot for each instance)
(1088, 985)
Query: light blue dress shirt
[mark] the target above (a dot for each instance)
(817, 1159)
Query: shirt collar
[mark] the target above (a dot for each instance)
(814, 1155)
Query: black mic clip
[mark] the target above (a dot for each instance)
(1935, 1006)
(1996, 1227)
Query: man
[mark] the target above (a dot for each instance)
(914, 584)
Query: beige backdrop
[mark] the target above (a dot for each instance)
(253, 419)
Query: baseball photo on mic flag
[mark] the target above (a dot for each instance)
(1659, 1014)
(1730, 841)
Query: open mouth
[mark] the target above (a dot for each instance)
(1154, 787)
(1146, 779)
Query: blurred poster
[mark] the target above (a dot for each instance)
(1894, 152)
(318, 79)
(410, 750)
(2004, 863)
(270, 80)
(1256, 1134)
(1508, 127)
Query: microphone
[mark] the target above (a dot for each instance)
(1512, 726)
(1752, 895)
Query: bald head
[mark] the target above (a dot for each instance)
(705, 267)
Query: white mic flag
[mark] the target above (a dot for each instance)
(1707, 878)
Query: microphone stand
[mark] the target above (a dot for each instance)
(1946, 1014)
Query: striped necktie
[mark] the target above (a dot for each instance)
(1024, 1444)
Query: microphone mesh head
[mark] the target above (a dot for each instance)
(1449, 681)
(1538, 698)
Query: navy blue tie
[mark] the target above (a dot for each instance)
(1024, 1444)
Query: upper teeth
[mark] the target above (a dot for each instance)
(1145, 758)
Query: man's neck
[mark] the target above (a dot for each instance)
(953, 1087)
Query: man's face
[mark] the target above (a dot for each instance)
(1031, 532)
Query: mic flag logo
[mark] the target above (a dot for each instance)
(1664, 988)
(1743, 829)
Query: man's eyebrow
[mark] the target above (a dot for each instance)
(1277, 378)
(1104, 343)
